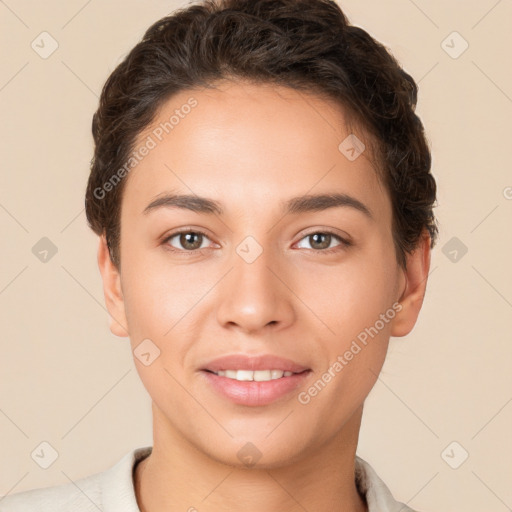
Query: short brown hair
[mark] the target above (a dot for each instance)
(303, 44)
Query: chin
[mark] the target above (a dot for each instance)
(255, 452)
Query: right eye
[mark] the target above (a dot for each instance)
(190, 241)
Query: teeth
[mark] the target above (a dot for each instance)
(258, 375)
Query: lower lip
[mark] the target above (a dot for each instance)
(255, 393)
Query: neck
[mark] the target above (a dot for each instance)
(177, 476)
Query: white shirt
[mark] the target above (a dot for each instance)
(113, 491)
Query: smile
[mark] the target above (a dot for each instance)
(257, 375)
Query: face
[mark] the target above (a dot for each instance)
(278, 283)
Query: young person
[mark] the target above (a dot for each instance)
(262, 192)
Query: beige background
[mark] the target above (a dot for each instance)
(65, 379)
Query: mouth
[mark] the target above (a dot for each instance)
(254, 380)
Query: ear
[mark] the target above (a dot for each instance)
(112, 290)
(415, 277)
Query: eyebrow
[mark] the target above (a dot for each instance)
(295, 205)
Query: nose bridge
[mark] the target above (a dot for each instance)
(252, 260)
(252, 296)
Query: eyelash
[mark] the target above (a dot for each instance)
(343, 242)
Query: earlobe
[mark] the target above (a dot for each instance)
(411, 300)
(112, 290)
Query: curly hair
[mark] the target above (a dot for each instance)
(307, 45)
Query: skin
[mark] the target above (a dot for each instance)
(251, 147)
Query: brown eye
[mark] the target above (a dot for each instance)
(321, 242)
(188, 240)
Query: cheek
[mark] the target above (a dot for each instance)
(156, 294)
(348, 298)
(161, 301)
(360, 312)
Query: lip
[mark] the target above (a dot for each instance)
(254, 393)
(260, 362)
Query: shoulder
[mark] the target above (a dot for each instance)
(108, 491)
(378, 496)
(84, 495)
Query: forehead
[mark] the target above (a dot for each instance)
(246, 143)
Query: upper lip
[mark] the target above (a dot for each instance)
(260, 362)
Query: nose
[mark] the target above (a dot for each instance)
(254, 296)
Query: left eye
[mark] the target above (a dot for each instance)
(322, 241)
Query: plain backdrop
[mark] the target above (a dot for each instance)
(445, 391)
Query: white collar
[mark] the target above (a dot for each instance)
(118, 493)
